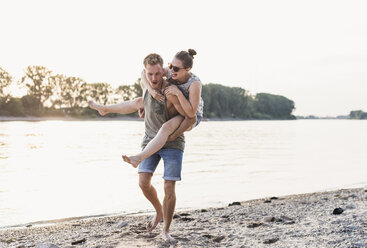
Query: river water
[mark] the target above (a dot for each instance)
(59, 169)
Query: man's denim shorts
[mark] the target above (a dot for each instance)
(172, 159)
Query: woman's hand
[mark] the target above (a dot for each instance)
(156, 95)
(172, 90)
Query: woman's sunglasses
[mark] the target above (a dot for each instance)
(175, 68)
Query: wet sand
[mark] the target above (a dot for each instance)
(323, 219)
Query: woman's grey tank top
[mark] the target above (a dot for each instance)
(155, 116)
(185, 91)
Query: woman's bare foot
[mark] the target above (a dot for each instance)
(133, 160)
(168, 238)
(153, 224)
(100, 108)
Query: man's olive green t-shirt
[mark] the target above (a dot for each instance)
(156, 115)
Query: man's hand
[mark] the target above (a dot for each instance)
(172, 90)
(157, 95)
(141, 113)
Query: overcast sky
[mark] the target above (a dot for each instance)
(312, 52)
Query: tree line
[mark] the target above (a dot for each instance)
(50, 94)
(358, 115)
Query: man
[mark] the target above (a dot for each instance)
(156, 115)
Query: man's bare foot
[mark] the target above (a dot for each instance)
(168, 238)
(153, 224)
(133, 160)
(100, 108)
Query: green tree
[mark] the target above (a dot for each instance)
(57, 82)
(129, 92)
(3, 110)
(273, 106)
(136, 89)
(124, 92)
(31, 105)
(15, 107)
(68, 92)
(36, 81)
(100, 92)
(358, 114)
(5, 80)
(226, 102)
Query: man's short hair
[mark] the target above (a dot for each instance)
(153, 59)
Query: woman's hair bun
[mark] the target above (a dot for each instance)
(192, 52)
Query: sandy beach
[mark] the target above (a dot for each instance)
(323, 219)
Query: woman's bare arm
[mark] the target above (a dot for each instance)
(190, 105)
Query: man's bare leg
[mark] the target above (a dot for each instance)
(151, 194)
(156, 143)
(126, 107)
(169, 204)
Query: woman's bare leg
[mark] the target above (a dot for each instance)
(186, 125)
(156, 143)
(100, 108)
(126, 107)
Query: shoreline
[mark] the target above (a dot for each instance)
(101, 118)
(300, 220)
(128, 118)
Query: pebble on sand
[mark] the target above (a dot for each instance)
(46, 245)
(270, 241)
(338, 211)
(80, 241)
(234, 204)
(122, 224)
(218, 239)
(254, 224)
